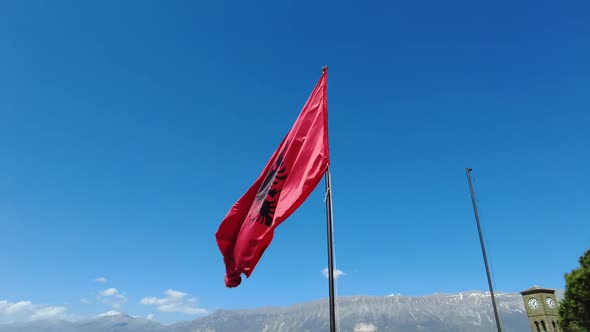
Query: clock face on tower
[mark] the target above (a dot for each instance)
(550, 303)
(533, 303)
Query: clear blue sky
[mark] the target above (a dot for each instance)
(128, 129)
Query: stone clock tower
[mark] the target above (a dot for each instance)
(541, 308)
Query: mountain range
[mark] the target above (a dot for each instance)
(461, 312)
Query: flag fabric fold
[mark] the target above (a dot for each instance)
(289, 177)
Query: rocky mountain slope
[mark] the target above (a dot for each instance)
(466, 311)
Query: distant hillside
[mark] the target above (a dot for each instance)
(463, 312)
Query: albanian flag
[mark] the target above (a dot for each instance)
(291, 174)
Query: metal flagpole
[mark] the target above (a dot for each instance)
(332, 306)
(483, 249)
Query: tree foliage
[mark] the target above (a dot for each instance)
(574, 309)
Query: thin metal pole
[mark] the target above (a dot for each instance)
(483, 249)
(332, 307)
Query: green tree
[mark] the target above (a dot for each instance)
(574, 309)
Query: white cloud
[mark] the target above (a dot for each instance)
(84, 301)
(101, 280)
(337, 273)
(48, 312)
(26, 311)
(175, 293)
(150, 316)
(19, 307)
(113, 297)
(109, 313)
(174, 302)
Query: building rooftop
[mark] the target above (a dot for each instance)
(537, 289)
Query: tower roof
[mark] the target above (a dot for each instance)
(537, 289)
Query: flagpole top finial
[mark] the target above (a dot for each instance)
(324, 68)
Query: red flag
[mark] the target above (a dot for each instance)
(291, 174)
